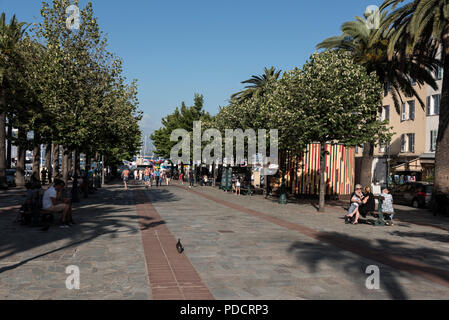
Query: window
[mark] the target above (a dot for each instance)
(384, 147)
(411, 110)
(387, 113)
(433, 140)
(403, 115)
(433, 105)
(379, 113)
(411, 142)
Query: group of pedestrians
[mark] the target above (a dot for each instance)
(363, 203)
(149, 176)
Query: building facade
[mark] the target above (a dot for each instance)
(410, 155)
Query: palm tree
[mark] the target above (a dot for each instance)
(370, 49)
(10, 35)
(256, 85)
(415, 23)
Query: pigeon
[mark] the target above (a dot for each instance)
(179, 246)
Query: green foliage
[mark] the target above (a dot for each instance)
(181, 118)
(369, 48)
(340, 101)
(66, 87)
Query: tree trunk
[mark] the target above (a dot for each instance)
(65, 164)
(2, 143)
(36, 160)
(55, 161)
(36, 155)
(102, 171)
(77, 167)
(322, 181)
(48, 160)
(21, 153)
(86, 176)
(9, 148)
(70, 163)
(367, 165)
(442, 150)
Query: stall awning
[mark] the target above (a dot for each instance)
(411, 166)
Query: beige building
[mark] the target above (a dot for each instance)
(410, 155)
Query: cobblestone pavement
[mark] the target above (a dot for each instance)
(235, 248)
(105, 244)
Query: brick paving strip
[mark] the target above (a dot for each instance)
(171, 275)
(412, 266)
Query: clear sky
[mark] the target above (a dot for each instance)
(176, 48)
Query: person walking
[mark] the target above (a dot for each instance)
(191, 179)
(157, 176)
(147, 177)
(136, 174)
(181, 178)
(125, 176)
(168, 177)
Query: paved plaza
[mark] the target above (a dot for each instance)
(124, 244)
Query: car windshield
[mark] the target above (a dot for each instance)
(429, 189)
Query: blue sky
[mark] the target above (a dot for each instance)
(176, 48)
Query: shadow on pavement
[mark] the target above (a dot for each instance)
(106, 212)
(327, 251)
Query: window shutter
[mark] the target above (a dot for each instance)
(411, 142)
(428, 106)
(387, 113)
(403, 112)
(402, 142)
(412, 110)
(436, 104)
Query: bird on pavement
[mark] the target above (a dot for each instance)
(179, 246)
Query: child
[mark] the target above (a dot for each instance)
(387, 206)
(237, 187)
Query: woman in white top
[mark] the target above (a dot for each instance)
(237, 187)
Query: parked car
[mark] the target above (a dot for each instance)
(10, 177)
(416, 194)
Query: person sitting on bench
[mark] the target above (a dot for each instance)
(51, 204)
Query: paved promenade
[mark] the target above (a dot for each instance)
(235, 248)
